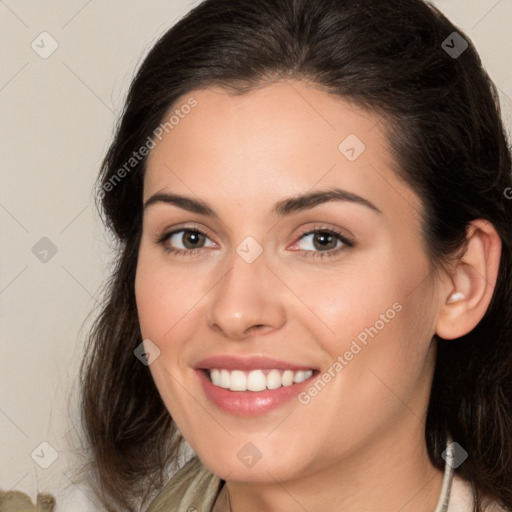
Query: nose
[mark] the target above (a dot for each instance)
(249, 299)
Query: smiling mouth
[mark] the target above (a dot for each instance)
(256, 380)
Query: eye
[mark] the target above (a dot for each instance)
(323, 242)
(185, 241)
(319, 242)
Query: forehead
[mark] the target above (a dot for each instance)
(279, 139)
(280, 120)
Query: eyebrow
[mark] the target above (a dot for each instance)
(282, 208)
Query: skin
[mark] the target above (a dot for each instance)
(359, 444)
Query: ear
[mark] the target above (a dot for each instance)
(467, 293)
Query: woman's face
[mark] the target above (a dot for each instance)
(274, 287)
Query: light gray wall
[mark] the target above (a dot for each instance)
(58, 115)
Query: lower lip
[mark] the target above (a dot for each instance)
(250, 403)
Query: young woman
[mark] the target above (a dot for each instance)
(313, 288)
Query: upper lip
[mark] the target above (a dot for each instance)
(248, 363)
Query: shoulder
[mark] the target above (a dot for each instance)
(192, 487)
(462, 500)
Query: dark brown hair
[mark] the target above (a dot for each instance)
(449, 144)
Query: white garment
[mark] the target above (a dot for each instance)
(461, 496)
(457, 494)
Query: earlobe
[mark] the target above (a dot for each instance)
(472, 282)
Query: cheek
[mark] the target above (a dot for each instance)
(341, 303)
(378, 373)
(162, 308)
(165, 297)
(151, 301)
(381, 322)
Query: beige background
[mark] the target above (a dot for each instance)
(58, 115)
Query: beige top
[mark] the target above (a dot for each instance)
(194, 489)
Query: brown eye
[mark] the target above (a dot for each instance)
(324, 240)
(192, 239)
(184, 241)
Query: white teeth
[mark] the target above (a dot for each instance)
(273, 379)
(287, 378)
(215, 377)
(299, 377)
(225, 379)
(256, 380)
(238, 381)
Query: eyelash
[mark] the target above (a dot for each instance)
(347, 244)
